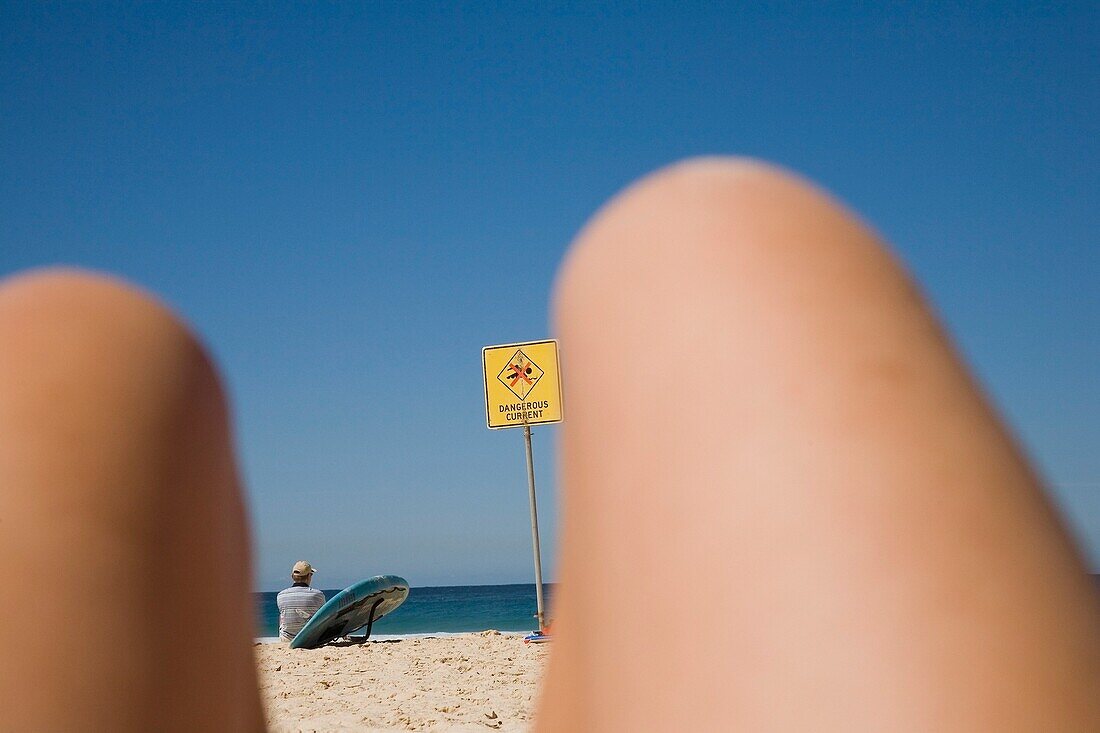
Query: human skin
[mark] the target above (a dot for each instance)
(120, 513)
(786, 504)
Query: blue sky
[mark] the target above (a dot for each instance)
(349, 201)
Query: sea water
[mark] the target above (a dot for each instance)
(443, 609)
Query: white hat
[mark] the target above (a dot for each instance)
(302, 569)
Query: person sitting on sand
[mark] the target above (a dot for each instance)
(299, 602)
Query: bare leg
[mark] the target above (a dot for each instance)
(786, 504)
(122, 536)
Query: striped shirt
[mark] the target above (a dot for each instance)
(297, 604)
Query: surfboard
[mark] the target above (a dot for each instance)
(357, 606)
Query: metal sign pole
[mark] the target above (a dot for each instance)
(534, 524)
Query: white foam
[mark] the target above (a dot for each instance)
(402, 637)
(439, 634)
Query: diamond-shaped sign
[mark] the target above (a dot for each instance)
(522, 384)
(520, 374)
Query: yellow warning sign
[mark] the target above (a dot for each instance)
(522, 384)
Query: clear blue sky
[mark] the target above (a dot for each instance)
(349, 201)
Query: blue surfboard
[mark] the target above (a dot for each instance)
(353, 608)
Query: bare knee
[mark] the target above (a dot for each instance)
(87, 330)
(730, 238)
(119, 485)
(97, 383)
(780, 271)
(92, 327)
(786, 417)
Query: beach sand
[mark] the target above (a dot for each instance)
(468, 682)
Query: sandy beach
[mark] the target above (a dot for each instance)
(468, 682)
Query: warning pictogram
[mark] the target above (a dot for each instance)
(520, 375)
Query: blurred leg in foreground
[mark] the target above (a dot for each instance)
(122, 534)
(787, 506)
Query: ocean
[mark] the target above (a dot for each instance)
(443, 609)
